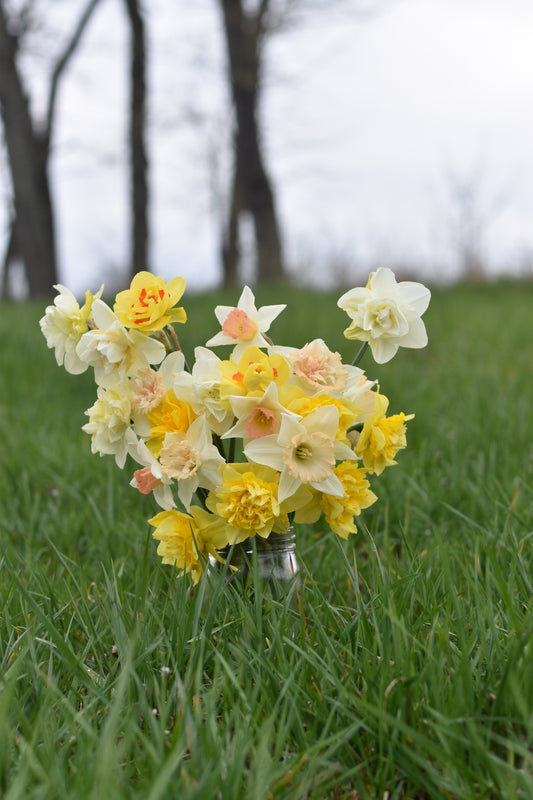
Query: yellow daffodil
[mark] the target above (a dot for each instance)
(252, 374)
(340, 511)
(382, 437)
(148, 305)
(187, 540)
(170, 416)
(296, 400)
(247, 499)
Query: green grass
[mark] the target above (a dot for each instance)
(406, 670)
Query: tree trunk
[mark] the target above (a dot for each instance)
(230, 235)
(28, 161)
(138, 157)
(243, 38)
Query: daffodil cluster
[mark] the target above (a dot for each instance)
(238, 447)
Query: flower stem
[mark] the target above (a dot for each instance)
(170, 333)
(360, 354)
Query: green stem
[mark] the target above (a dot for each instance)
(170, 333)
(360, 354)
(201, 494)
(231, 454)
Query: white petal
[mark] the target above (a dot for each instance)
(383, 350)
(265, 451)
(266, 315)
(415, 295)
(103, 315)
(287, 485)
(247, 302)
(343, 452)
(416, 336)
(330, 485)
(383, 283)
(221, 312)
(324, 419)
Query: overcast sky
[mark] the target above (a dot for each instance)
(370, 122)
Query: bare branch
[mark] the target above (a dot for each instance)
(62, 63)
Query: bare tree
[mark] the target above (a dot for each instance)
(138, 158)
(473, 209)
(251, 186)
(32, 236)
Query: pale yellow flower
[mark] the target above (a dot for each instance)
(113, 351)
(386, 314)
(382, 437)
(304, 452)
(201, 389)
(148, 304)
(110, 424)
(64, 324)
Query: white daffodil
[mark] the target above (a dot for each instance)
(191, 459)
(201, 388)
(244, 325)
(114, 351)
(386, 314)
(304, 452)
(359, 390)
(109, 424)
(64, 324)
(257, 416)
(151, 477)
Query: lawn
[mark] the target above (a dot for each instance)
(402, 669)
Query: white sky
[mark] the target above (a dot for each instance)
(365, 121)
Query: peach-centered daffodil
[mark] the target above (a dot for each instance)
(257, 416)
(244, 325)
(304, 452)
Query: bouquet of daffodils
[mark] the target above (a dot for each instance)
(270, 435)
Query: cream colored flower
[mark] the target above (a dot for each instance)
(64, 324)
(244, 325)
(201, 389)
(109, 424)
(190, 458)
(318, 368)
(304, 452)
(386, 314)
(113, 351)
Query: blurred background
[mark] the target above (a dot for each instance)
(233, 141)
